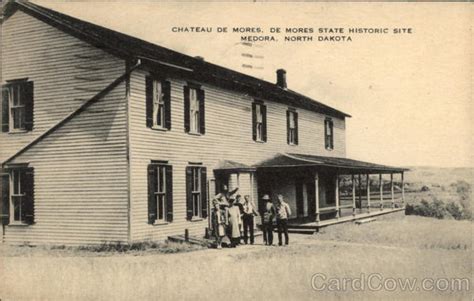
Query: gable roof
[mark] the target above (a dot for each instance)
(158, 57)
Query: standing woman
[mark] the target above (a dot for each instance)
(234, 223)
(219, 220)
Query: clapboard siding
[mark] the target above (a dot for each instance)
(81, 189)
(57, 64)
(228, 136)
(81, 169)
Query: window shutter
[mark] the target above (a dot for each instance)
(204, 191)
(167, 99)
(169, 193)
(28, 99)
(288, 127)
(149, 101)
(326, 144)
(27, 185)
(202, 115)
(254, 121)
(186, 110)
(295, 114)
(151, 193)
(264, 122)
(332, 133)
(5, 109)
(5, 201)
(189, 195)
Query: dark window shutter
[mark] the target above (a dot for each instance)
(5, 109)
(151, 193)
(189, 195)
(264, 122)
(26, 93)
(202, 112)
(288, 127)
(326, 144)
(332, 134)
(295, 114)
(204, 191)
(186, 110)
(149, 101)
(169, 193)
(254, 121)
(27, 185)
(167, 100)
(5, 201)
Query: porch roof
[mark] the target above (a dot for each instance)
(346, 165)
(228, 165)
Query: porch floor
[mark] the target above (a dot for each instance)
(344, 219)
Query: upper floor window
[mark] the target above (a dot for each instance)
(17, 196)
(17, 106)
(259, 122)
(160, 190)
(329, 133)
(292, 127)
(194, 117)
(196, 205)
(158, 103)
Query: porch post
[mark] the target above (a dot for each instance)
(368, 193)
(381, 191)
(316, 192)
(353, 196)
(403, 191)
(392, 190)
(360, 191)
(338, 213)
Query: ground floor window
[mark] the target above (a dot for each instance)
(160, 200)
(196, 192)
(17, 196)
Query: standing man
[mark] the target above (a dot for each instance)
(248, 213)
(268, 213)
(283, 212)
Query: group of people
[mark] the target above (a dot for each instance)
(233, 218)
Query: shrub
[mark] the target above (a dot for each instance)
(454, 210)
(436, 209)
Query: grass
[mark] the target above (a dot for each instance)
(411, 231)
(393, 246)
(104, 249)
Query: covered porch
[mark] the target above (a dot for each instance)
(323, 191)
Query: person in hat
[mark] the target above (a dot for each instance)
(267, 220)
(283, 212)
(234, 223)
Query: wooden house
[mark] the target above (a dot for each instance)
(108, 138)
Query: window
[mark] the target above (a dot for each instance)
(17, 196)
(196, 192)
(328, 134)
(158, 103)
(194, 117)
(160, 200)
(17, 106)
(259, 122)
(292, 127)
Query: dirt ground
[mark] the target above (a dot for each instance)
(251, 272)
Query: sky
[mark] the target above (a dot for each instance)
(410, 95)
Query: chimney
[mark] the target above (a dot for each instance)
(281, 78)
